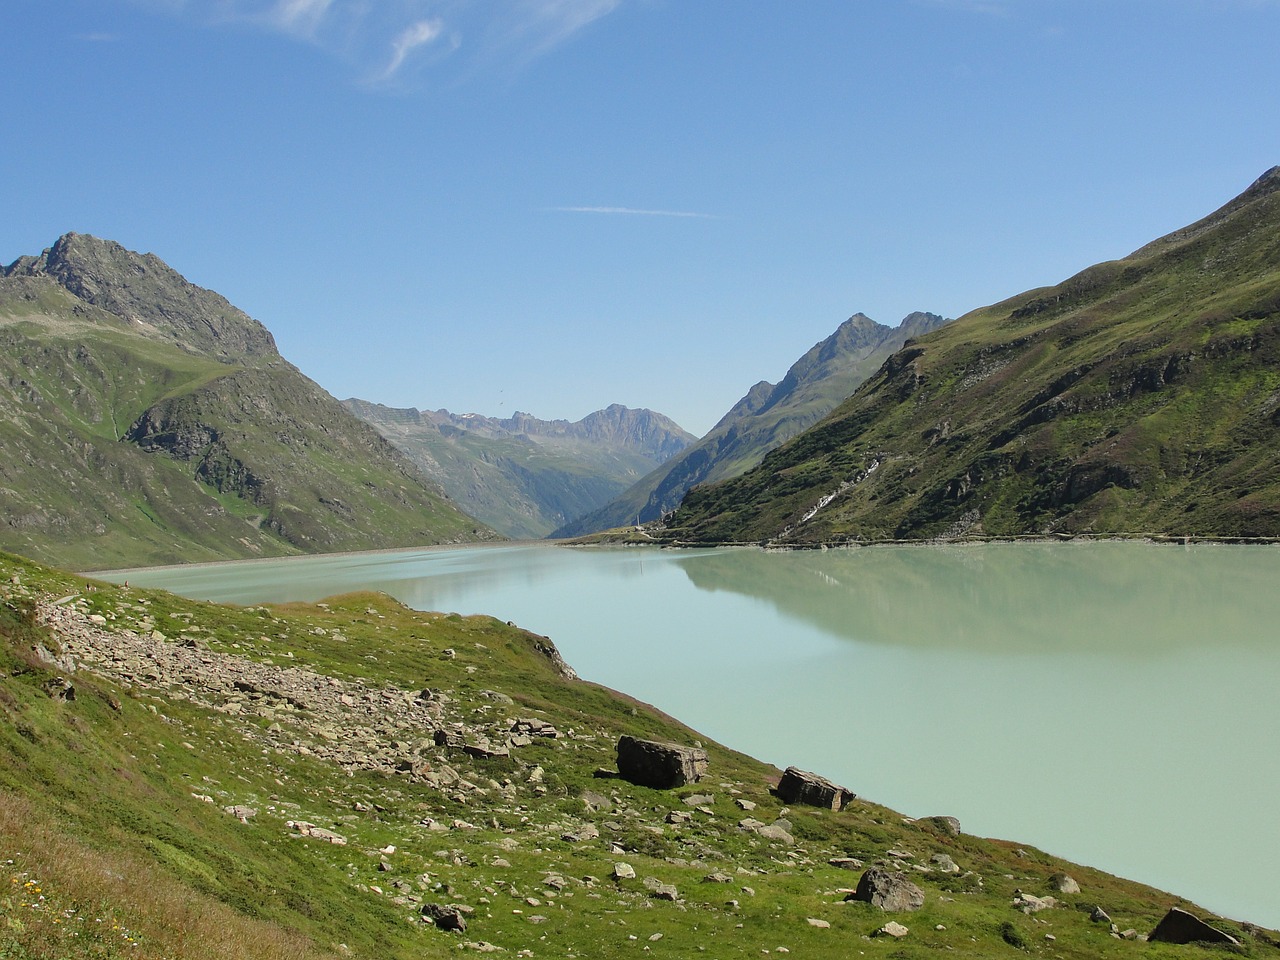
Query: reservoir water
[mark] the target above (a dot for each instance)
(1112, 703)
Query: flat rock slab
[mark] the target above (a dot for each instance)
(662, 766)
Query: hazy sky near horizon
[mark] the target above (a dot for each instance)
(554, 205)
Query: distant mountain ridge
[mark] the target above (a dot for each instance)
(1140, 397)
(524, 476)
(147, 420)
(765, 417)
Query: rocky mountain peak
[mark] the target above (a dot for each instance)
(153, 297)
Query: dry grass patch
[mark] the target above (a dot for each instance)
(59, 897)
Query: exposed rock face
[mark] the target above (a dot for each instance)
(800, 786)
(888, 890)
(1178, 926)
(662, 766)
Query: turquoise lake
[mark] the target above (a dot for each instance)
(1113, 703)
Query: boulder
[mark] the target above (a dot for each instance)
(888, 891)
(800, 786)
(947, 825)
(1178, 926)
(446, 917)
(893, 929)
(651, 763)
(1064, 883)
(624, 871)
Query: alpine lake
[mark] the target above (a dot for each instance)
(1114, 703)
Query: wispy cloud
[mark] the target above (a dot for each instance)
(409, 39)
(547, 23)
(299, 16)
(381, 39)
(632, 211)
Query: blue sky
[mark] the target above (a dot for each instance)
(553, 205)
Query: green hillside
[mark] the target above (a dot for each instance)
(191, 780)
(1141, 396)
(766, 417)
(172, 430)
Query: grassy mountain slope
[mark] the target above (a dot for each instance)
(173, 430)
(767, 416)
(524, 476)
(1139, 396)
(214, 781)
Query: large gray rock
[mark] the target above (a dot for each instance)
(1178, 926)
(1064, 883)
(651, 763)
(445, 916)
(888, 890)
(800, 786)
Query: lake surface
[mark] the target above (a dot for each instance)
(1113, 703)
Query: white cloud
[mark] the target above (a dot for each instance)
(299, 16)
(378, 38)
(408, 40)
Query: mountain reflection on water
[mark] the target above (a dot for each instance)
(1117, 598)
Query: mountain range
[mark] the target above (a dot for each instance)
(1140, 396)
(147, 420)
(768, 415)
(524, 476)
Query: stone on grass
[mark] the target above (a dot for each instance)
(662, 766)
(446, 917)
(892, 929)
(1178, 926)
(1030, 904)
(624, 871)
(1064, 883)
(947, 825)
(846, 863)
(801, 786)
(888, 890)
